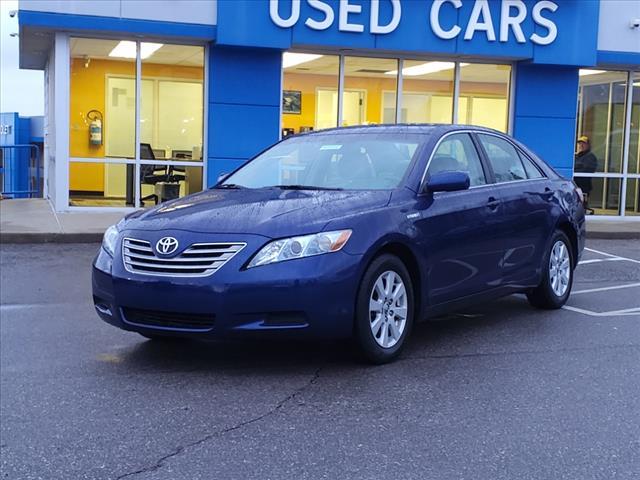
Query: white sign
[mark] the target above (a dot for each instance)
(512, 14)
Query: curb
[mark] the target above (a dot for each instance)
(22, 238)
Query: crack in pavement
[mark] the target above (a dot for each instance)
(181, 449)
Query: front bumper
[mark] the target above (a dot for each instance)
(304, 298)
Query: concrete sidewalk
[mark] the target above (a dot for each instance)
(34, 221)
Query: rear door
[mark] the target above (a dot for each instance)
(525, 195)
(457, 230)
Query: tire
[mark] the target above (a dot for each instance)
(555, 287)
(377, 339)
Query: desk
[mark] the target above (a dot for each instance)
(193, 177)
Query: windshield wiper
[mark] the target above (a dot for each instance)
(303, 187)
(230, 186)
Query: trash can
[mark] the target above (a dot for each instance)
(167, 191)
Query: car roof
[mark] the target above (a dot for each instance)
(431, 128)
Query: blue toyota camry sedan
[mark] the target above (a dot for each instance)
(353, 232)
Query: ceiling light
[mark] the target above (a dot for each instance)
(292, 59)
(584, 72)
(426, 68)
(127, 49)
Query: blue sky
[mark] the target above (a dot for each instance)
(21, 91)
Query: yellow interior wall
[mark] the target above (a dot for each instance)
(307, 84)
(87, 92)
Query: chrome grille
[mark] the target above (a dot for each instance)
(199, 260)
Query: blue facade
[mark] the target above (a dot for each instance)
(546, 75)
(245, 58)
(545, 112)
(244, 105)
(248, 23)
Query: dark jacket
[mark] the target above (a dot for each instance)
(585, 162)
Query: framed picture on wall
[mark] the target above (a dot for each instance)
(291, 101)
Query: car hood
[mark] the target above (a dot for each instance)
(270, 212)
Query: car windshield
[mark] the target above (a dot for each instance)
(369, 161)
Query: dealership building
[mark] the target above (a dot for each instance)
(190, 89)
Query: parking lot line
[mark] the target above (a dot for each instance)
(609, 257)
(596, 260)
(604, 289)
(621, 313)
(612, 256)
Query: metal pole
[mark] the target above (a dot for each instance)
(626, 138)
(399, 91)
(456, 92)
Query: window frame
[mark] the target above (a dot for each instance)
(488, 172)
(487, 177)
(400, 80)
(64, 197)
(519, 151)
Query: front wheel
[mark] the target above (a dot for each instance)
(384, 309)
(557, 276)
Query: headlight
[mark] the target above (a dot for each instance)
(299, 247)
(110, 238)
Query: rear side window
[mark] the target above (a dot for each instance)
(504, 159)
(530, 168)
(458, 153)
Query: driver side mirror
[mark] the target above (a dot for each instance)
(450, 181)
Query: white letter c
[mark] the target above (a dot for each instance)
(435, 20)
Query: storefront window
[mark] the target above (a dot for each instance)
(102, 101)
(484, 95)
(634, 137)
(602, 134)
(171, 121)
(370, 86)
(633, 183)
(106, 167)
(602, 97)
(427, 92)
(310, 92)
(633, 197)
(369, 92)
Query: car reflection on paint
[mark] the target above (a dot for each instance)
(354, 232)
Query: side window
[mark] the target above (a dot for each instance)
(458, 153)
(504, 159)
(530, 168)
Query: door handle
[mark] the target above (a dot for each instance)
(548, 193)
(493, 203)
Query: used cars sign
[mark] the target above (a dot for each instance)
(512, 15)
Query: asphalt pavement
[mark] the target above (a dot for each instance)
(500, 391)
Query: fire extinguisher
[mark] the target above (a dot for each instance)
(95, 127)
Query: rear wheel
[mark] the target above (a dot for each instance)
(384, 309)
(557, 276)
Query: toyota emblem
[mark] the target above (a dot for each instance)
(167, 245)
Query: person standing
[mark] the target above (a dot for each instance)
(585, 162)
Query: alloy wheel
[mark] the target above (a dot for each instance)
(388, 308)
(559, 268)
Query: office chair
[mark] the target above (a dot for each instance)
(148, 174)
